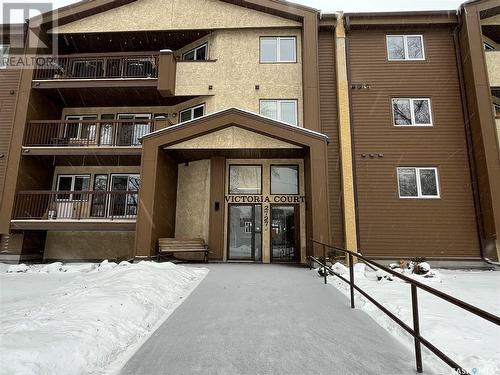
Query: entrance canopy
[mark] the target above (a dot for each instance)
(237, 130)
(228, 134)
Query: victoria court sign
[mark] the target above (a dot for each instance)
(265, 199)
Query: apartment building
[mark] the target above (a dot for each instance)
(256, 125)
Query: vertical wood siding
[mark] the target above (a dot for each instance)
(9, 81)
(388, 225)
(329, 126)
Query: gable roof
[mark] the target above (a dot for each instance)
(86, 8)
(245, 119)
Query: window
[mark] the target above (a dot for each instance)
(488, 47)
(278, 49)
(123, 202)
(281, 110)
(497, 109)
(411, 111)
(415, 182)
(198, 53)
(98, 208)
(192, 113)
(4, 55)
(405, 47)
(245, 179)
(75, 131)
(284, 179)
(129, 133)
(72, 183)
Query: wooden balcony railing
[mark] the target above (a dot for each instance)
(75, 205)
(99, 66)
(83, 133)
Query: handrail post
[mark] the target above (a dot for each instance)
(351, 279)
(416, 328)
(324, 260)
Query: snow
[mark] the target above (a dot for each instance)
(84, 318)
(472, 342)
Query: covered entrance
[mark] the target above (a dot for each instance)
(253, 188)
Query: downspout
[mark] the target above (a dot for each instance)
(468, 136)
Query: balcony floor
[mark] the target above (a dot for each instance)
(83, 150)
(74, 224)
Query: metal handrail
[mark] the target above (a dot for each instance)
(415, 331)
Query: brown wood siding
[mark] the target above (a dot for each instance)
(388, 225)
(9, 82)
(329, 126)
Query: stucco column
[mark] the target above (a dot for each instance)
(346, 157)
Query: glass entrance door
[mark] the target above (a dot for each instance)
(244, 232)
(285, 233)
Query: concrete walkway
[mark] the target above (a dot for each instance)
(268, 319)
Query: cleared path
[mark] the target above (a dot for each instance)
(268, 319)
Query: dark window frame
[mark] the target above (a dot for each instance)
(284, 165)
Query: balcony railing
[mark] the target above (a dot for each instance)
(81, 133)
(99, 66)
(75, 205)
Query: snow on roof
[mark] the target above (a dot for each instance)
(234, 109)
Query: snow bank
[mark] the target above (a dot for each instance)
(471, 341)
(79, 319)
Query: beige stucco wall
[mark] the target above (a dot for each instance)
(232, 138)
(83, 245)
(266, 192)
(193, 199)
(237, 70)
(495, 20)
(174, 15)
(493, 63)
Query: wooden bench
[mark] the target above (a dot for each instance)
(171, 246)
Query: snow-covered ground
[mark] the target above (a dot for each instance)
(472, 342)
(84, 318)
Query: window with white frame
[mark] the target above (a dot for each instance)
(192, 113)
(418, 182)
(405, 47)
(488, 47)
(411, 112)
(197, 53)
(496, 107)
(281, 110)
(4, 55)
(72, 183)
(85, 130)
(278, 49)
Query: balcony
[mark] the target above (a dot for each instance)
(77, 136)
(493, 64)
(94, 66)
(109, 79)
(75, 210)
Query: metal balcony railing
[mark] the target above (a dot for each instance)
(81, 133)
(99, 66)
(75, 205)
